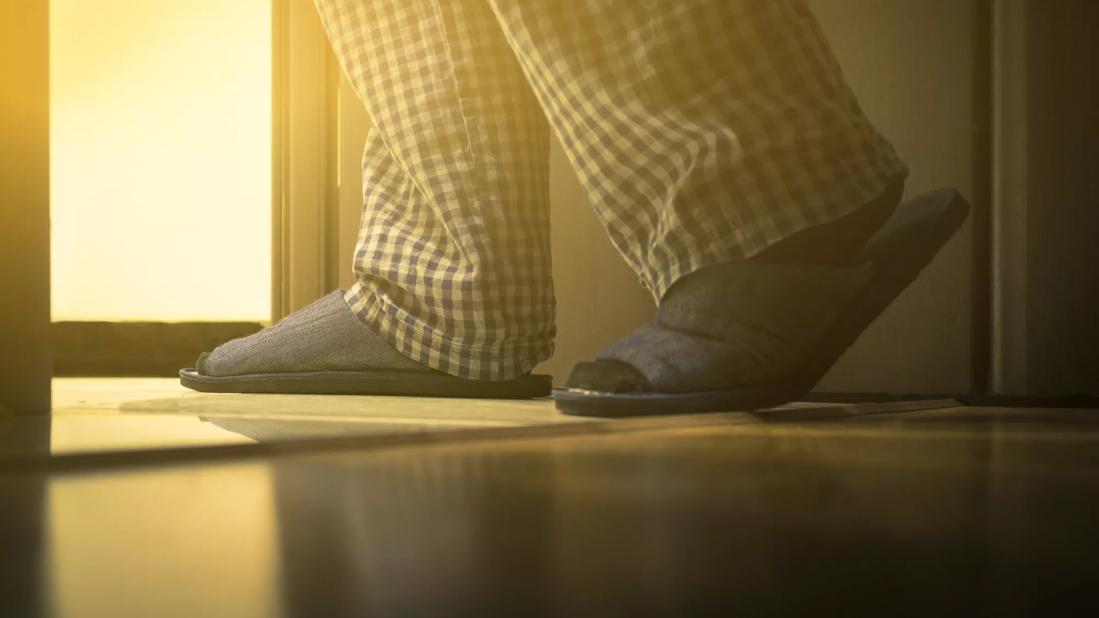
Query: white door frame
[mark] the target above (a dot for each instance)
(305, 159)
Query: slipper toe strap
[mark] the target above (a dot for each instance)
(757, 323)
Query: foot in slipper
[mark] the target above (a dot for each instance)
(756, 333)
(325, 348)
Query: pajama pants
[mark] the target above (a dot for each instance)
(702, 131)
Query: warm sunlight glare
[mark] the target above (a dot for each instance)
(160, 159)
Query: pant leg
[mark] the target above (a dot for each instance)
(452, 264)
(702, 130)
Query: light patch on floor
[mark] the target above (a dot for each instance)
(106, 414)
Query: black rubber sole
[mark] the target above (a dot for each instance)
(899, 252)
(388, 383)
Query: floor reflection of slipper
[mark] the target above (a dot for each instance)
(403, 383)
(897, 253)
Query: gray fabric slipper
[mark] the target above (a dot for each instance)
(324, 348)
(790, 361)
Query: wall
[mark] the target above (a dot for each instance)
(914, 68)
(24, 207)
(1046, 332)
(1063, 126)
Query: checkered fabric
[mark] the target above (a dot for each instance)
(702, 131)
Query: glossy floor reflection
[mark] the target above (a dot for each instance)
(96, 415)
(951, 511)
(126, 414)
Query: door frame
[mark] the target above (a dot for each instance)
(1046, 198)
(24, 207)
(305, 170)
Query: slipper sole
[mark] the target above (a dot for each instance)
(386, 383)
(921, 226)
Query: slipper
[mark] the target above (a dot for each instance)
(897, 254)
(390, 383)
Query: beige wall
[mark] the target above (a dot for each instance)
(912, 64)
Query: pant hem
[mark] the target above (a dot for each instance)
(658, 283)
(428, 346)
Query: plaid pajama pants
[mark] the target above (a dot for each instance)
(703, 131)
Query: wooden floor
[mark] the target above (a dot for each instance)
(440, 507)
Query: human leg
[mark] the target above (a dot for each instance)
(718, 141)
(452, 264)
